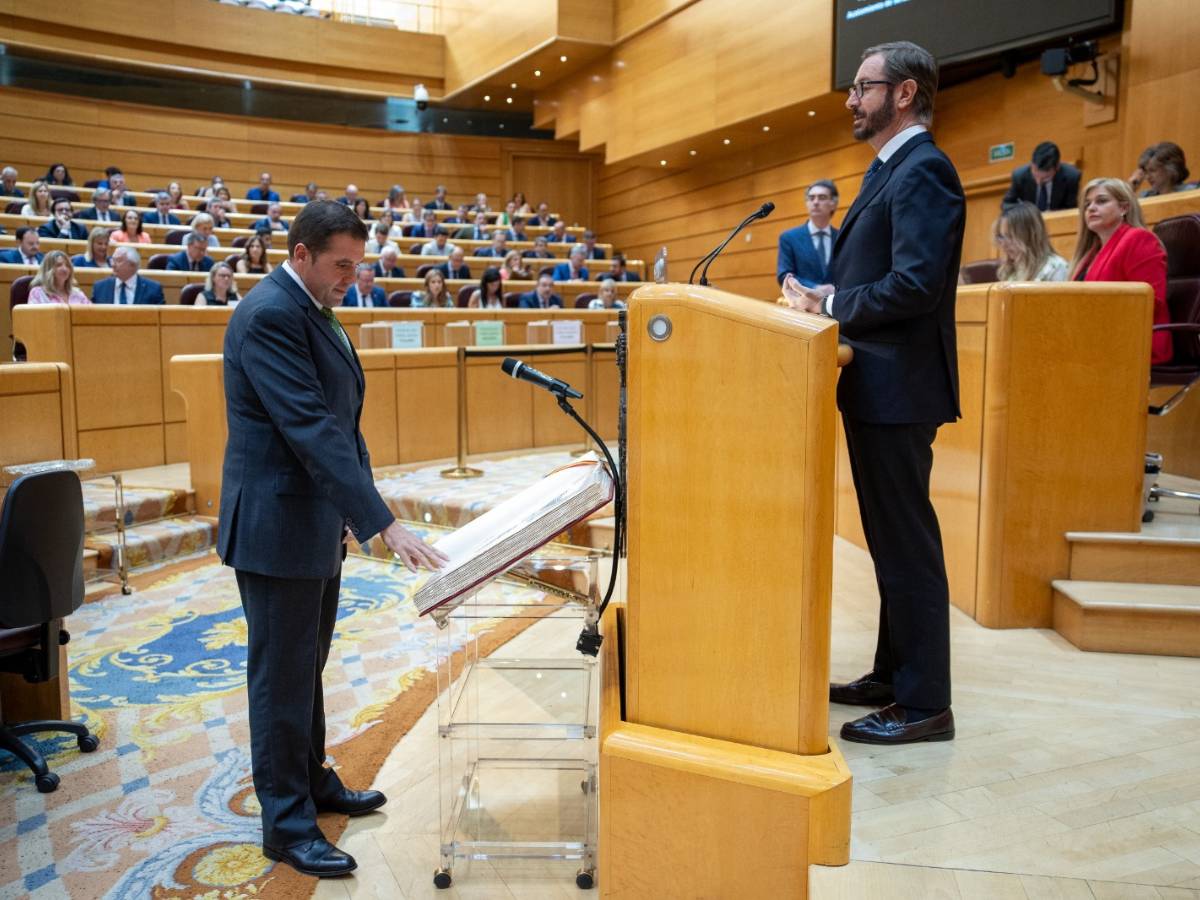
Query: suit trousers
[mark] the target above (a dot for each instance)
(891, 465)
(290, 623)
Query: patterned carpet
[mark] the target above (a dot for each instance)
(165, 807)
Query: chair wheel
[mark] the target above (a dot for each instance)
(441, 879)
(584, 879)
(46, 784)
(1148, 516)
(127, 590)
(88, 743)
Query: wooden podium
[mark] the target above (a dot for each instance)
(717, 774)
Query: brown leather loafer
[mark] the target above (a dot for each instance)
(890, 726)
(318, 858)
(352, 803)
(865, 691)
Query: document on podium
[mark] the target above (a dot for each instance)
(487, 546)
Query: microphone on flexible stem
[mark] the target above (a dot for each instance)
(523, 372)
(761, 213)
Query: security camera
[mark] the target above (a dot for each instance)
(421, 95)
(1057, 60)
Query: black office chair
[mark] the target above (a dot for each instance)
(41, 583)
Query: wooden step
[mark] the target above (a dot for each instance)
(1111, 617)
(1169, 557)
(90, 561)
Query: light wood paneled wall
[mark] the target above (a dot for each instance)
(37, 409)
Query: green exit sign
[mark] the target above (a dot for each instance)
(1000, 152)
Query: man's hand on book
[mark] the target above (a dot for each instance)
(411, 550)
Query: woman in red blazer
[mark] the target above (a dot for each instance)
(1115, 245)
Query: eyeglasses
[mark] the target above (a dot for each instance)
(858, 89)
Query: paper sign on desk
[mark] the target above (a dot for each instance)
(568, 331)
(408, 335)
(489, 334)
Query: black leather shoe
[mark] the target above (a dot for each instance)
(352, 803)
(890, 725)
(319, 858)
(865, 691)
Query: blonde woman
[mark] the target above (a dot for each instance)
(96, 255)
(219, 287)
(1026, 254)
(55, 281)
(41, 203)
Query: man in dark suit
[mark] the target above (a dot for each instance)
(8, 183)
(559, 234)
(296, 485)
(499, 246)
(126, 287)
(895, 271)
(61, 226)
(620, 270)
(386, 266)
(439, 199)
(805, 251)
(309, 195)
(541, 249)
(573, 269)
(161, 214)
(589, 245)
(428, 227)
(27, 252)
(273, 221)
(101, 210)
(1047, 182)
(543, 219)
(543, 296)
(455, 266)
(364, 292)
(477, 232)
(263, 192)
(193, 257)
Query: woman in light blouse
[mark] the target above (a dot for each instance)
(41, 203)
(131, 230)
(514, 267)
(435, 293)
(490, 293)
(55, 281)
(1026, 254)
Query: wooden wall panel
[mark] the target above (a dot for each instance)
(565, 183)
(37, 413)
(488, 36)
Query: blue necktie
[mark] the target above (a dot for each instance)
(124, 298)
(875, 166)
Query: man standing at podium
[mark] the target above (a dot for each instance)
(893, 278)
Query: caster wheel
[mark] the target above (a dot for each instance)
(88, 743)
(441, 879)
(47, 784)
(1148, 516)
(583, 785)
(126, 590)
(584, 879)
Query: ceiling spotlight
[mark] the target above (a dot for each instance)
(537, 73)
(691, 153)
(487, 97)
(766, 128)
(513, 85)
(562, 59)
(812, 112)
(508, 99)
(662, 162)
(727, 142)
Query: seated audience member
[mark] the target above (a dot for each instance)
(455, 267)
(266, 235)
(428, 227)
(591, 251)
(322, 196)
(8, 183)
(477, 232)
(219, 288)
(55, 281)
(514, 267)
(396, 200)
(364, 291)
(516, 231)
(1115, 245)
(462, 215)
(101, 208)
(109, 172)
(161, 214)
(386, 266)
(309, 195)
(202, 224)
(543, 219)
(379, 238)
(175, 192)
(1047, 182)
(350, 196)
(211, 189)
(272, 221)
(362, 208)
(573, 269)
(394, 231)
(490, 293)
(193, 257)
(131, 230)
(96, 255)
(58, 176)
(543, 296)
(506, 217)
(126, 287)
(1025, 251)
(435, 293)
(439, 199)
(221, 192)
(559, 234)
(41, 203)
(119, 193)
(219, 210)
(607, 297)
(61, 225)
(262, 192)
(620, 270)
(480, 205)
(1165, 169)
(439, 246)
(27, 252)
(521, 204)
(540, 249)
(499, 245)
(254, 257)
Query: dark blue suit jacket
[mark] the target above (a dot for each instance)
(895, 265)
(378, 297)
(596, 253)
(14, 256)
(153, 218)
(148, 292)
(81, 262)
(463, 272)
(76, 232)
(562, 272)
(265, 222)
(296, 470)
(255, 193)
(530, 301)
(179, 262)
(396, 272)
(93, 214)
(798, 256)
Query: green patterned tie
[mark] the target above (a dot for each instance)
(336, 325)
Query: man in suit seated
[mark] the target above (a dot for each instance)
(543, 219)
(516, 231)
(1046, 182)
(573, 269)
(272, 222)
(386, 266)
(118, 192)
(481, 204)
(540, 249)
(477, 232)
(559, 234)
(350, 196)
(109, 172)
(101, 208)
(126, 287)
(439, 246)
(309, 195)
(499, 246)
(620, 269)
(589, 246)
(364, 291)
(27, 252)
(8, 183)
(462, 215)
(456, 266)
(543, 296)
(805, 251)
(428, 228)
(61, 226)
(263, 193)
(439, 199)
(193, 257)
(161, 214)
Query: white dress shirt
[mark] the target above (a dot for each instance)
(296, 278)
(824, 252)
(130, 290)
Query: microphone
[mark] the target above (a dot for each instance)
(523, 372)
(761, 213)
